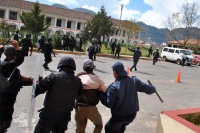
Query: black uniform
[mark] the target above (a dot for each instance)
(26, 44)
(66, 43)
(95, 51)
(80, 45)
(48, 48)
(8, 95)
(41, 42)
(155, 57)
(136, 56)
(150, 50)
(113, 45)
(72, 44)
(91, 51)
(16, 37)
(61, 89)
(118, 49)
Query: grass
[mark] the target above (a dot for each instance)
(193, 118)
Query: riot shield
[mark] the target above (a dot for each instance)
(37, 74)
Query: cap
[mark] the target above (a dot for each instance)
(10, 51)
(118, 67)
(88, 64)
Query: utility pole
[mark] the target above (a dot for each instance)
(122, 5)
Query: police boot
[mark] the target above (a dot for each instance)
(45, 66)
(135, 69)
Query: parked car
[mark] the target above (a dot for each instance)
(173, 54)
(196, 60)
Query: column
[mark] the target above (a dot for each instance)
(7, 14)
(76, 25)
(55, 21)
(66, 23)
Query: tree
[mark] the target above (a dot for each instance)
(100, 26)
(131, 28)
(34, 21)
(184, 25)
(5, 29)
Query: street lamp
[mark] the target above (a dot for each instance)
(122, 5)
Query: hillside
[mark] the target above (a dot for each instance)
(60, 6)
(84, 10)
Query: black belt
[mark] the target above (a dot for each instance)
(82, 105)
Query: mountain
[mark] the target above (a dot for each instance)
(155, 34)
(84, 10)
(60, 6)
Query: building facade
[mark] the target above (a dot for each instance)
(63, 21)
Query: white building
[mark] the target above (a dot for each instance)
(64, 21)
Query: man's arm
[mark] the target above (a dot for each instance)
(109, 98)
(132, 50)
(31, 46)
(44, 85)
(144, 87)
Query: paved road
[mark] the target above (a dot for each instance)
(162, 75)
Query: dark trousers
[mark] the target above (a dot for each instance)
(117, 53)
(95, 56)
(90, 55)
(41, 47)
(155, 59)
(52, 121)
(118, 124)
(113, 51)
(150, 53)
(7, 101)
(134, 64)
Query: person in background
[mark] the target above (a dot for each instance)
(41, 42)
(136, 56)
(118, 49)
(91, 51)
(122, 98)
(113, 46)
(155, 56)
(150, 50)
(16, 36)
(26, 44)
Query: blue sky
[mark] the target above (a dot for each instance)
(151, 12)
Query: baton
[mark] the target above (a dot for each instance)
(156, 92)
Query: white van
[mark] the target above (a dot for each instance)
(173, 54)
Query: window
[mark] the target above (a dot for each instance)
(78, 26)
(169, 45)
(177, 52)
(165, 49)
(48, 20)
(58, 23)
(1, 13)
(69, 24)
(13, 15)
(171, 50)
(175, 46)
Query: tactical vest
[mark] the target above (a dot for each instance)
(61, 95)
(15, 83)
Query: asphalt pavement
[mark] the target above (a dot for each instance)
(162, 75)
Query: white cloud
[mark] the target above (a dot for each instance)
(65, 2)
(161, 10)
(126, 13)
(93, 8)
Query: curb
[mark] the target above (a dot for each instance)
(98, 54)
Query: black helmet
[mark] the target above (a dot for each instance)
(138, 47)
(49, 39)
(42, 37)
(67, 61)
(28, 35)
(157, 49)
(10, 51)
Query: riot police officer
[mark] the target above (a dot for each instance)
(26, 44)
(8, 94)
(61, 89)
(113, 45)
(48, 48)
(91, 50)
(41, 42)
(136, 56)
(155, 56)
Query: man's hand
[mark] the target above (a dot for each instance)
(15, 44)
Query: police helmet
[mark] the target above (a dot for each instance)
(10, 51)
(28, 35)
(67, 61)
(49, 39)
(138, 47)
(157, 49)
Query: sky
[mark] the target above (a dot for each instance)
(151, 12)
